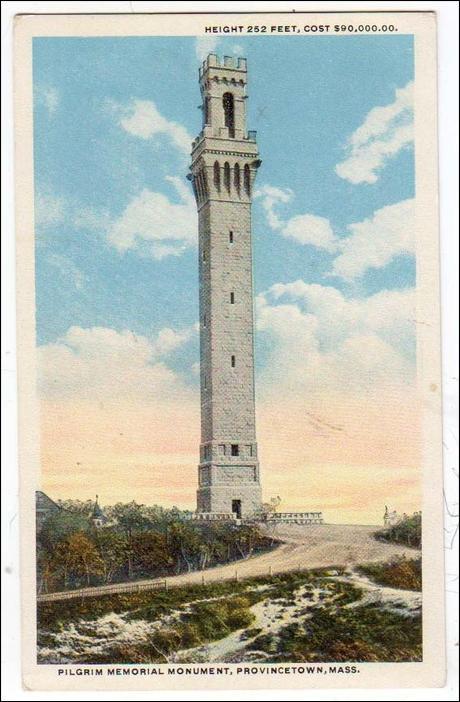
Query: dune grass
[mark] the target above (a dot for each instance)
(403, 573)
(335, 628)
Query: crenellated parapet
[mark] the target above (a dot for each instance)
(228, 63)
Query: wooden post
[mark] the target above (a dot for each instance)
(236, 575)
(166, 584)
(202, 579)
(270, 572)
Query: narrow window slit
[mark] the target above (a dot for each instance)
(217, 176)
(227, 176)
(229, 113)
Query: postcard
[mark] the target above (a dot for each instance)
(229, 351)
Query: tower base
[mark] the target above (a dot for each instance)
(243, 501)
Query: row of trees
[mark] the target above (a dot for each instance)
(137, 541)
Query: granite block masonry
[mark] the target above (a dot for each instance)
(225, 160)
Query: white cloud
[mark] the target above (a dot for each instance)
(89, 218)
(151, 219)
(68, 271)
(48, 97)
(151, 222)
(51, 210)
(169, 340)
(205, 45)
(270, 197)
(48, 210)
(102, 364)
(305, 228)
(321, 341)
(386, 312)
(371, 243)
(142, 119)
(375, 241)
(385, 131)
(310, 229)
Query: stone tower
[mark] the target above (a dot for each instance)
(224, 164)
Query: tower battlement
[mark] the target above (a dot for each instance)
(223, 92)
(227, 63)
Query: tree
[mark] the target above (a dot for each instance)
(185, 544)
(59, 526)
(62, 561)
(269, 508)
(407, 530)
(150, 552)
(113, 551)
(82, 557)
(246, 538)
(45, 570)
(131, 517)
(84, 507)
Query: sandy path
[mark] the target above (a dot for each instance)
(303, 547)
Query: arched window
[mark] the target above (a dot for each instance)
(229, 113)
(217, 175)
(195, 189)
(201, 185)
(237, 177)
(197, 184)
(207, 115)
(247, 179)
(204, 183)
(227, 175)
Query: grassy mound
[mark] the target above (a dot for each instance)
(407, 532)
(403, 573)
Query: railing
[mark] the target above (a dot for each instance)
(213, 516)
(164, 584)
(120, 588)
(296, 517)
(285, 517)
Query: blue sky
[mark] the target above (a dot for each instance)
(334, 261)
(307, 96)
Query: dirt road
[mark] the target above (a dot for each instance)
(302, 547)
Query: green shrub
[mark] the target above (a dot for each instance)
(407, 532)
(366, 633)
(403, 573)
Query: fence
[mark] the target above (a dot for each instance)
(119, 589)
(296, 518)
(281, 517)
(213, 516)
(163, 584)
